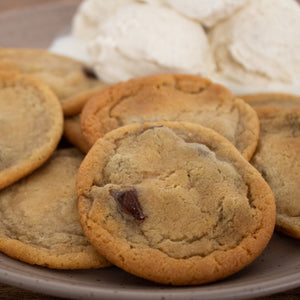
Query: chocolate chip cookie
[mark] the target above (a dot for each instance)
(39, 218)
(71, 80)
(31, 125)
(170, 97)
(277, 158)
(173, 202)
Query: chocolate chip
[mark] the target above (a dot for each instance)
(88, 72)
(128, 200)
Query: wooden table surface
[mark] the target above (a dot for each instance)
(10, 36)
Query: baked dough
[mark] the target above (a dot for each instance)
(174, 203)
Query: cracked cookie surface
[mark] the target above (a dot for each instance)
(277, 158)
(39, 221)
(173, 202)
(169, 97)
(31, 124)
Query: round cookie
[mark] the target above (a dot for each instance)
(68, 78)
(72, 131)
(39, 218)
(172, 97)
(174, 203)
(31, 125)
(277, 158)
(272, 99)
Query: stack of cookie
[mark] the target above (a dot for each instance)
(165, 190)
(38, 206)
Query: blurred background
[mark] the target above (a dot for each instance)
(34, 23)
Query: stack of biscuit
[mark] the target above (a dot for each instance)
(170, 177)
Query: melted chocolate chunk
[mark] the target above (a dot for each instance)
(88, 72)
(128, 199)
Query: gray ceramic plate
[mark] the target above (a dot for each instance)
(277, 269)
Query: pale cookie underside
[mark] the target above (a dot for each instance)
(204, 213)
(31, 124)
(277, 158)
(170, 97)
(68, 78)
(39, 219)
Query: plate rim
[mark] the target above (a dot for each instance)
(73, 291)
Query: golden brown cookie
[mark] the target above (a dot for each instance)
(74, 104)
(272, 99)
(174, 203)
(170, 97)
(72, 131)
(31, 125)
(69, 78)
(277, 158)
(39, 218)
